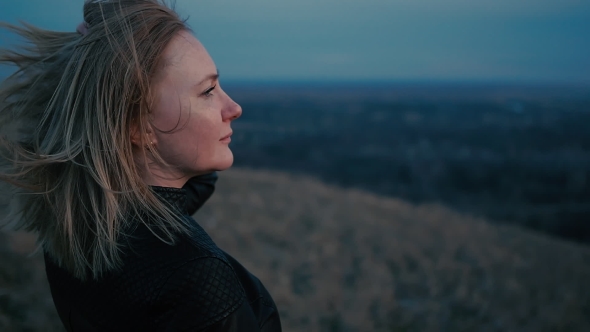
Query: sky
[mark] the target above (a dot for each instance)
(498, 41)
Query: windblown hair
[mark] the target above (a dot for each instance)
(75, 99)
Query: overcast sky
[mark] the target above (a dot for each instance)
(391, 40)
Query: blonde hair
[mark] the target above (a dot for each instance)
(75, 99)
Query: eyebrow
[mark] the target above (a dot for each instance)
(211, 77)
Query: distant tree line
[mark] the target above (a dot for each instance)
(522, 162)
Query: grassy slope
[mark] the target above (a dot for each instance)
(346, 260)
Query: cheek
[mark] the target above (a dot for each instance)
(199, 142)
(167, 114)
(203, 130)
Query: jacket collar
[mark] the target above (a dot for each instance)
(175, 198)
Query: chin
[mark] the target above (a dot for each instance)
(225, 162)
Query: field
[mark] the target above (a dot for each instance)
(347, 260)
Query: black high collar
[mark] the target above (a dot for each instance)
(174, 197)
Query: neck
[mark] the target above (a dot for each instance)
(154, 174)
(153, 178)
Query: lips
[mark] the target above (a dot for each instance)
(226, 136)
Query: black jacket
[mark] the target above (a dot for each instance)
(190, 286)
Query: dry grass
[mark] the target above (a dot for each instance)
(346, 260)
(25, 301)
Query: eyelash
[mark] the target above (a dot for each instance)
(208, 92)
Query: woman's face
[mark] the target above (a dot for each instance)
(192, 115)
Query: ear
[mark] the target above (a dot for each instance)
(136, 133)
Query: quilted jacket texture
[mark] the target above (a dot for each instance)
(190, 286)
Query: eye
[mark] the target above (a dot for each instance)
(208, 93)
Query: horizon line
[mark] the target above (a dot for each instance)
(409, 82)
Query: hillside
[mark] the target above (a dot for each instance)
(347, 260)
(509, 154)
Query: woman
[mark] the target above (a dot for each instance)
(122, 127)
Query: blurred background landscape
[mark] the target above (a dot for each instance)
(399, 165)
(513, 154)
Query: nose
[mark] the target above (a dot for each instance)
(232, 110)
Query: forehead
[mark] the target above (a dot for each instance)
(185, 60)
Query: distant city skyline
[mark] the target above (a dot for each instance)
(527, 41)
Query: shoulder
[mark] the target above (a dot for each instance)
(153, 244)
(198, 294)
